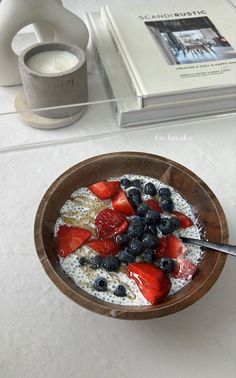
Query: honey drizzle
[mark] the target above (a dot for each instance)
(79, 223)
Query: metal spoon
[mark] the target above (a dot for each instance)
(225, 248)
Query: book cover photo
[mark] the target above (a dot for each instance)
(190, 40)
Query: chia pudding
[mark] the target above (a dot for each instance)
(120, 240)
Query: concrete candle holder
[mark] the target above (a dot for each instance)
(52, 81)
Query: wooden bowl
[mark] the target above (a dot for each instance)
(169, 172)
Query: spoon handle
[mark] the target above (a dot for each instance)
(225, 248)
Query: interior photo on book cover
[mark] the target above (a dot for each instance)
(190, 40)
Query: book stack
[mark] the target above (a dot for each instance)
(167, 60)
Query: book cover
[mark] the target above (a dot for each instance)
(172, 47)
(126, 107)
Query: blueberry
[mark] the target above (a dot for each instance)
(152, 217)
(166, 264)
(111, 263)
(100, 284)
(142, 209)
(150, 240)
(135, 201)
(126, 257)
(120, 291)
(167, 204)
(150, 189)
(150, 229)
(122, 239)
(135, 247)
(137, 221)
(125, 182)
(135, 231)
(166, 226)
(133, 192)
(82, 261)
(149, 256)
(96, 262)
(164, 192)
(176, 223)
(136, 184)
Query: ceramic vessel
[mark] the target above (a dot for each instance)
(53, 23)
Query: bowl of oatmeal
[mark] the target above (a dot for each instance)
(109, 230)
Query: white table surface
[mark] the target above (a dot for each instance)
(43, 334)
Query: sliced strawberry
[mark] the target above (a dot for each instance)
(170, 246)
(154, 205)
(71, 238)
(110, 223)
(184, 220)
(184, 269)
(63, 230)
(104, 247)
(105, 189)
(153, 283)
(161, 249)
(121, 203)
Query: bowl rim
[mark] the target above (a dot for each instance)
(119, 311)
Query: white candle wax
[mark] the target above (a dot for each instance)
(50, 62)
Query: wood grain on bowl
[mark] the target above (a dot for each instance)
(98, 168)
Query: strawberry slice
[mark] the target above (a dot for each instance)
(170, 246)
(63, 230)
(104, 247)
(153, 283)
(110, 223)
(184, 220)
(71, 238)
(154, 205)
(121, 203)
(105, 189)
(184, 269)
(161, 249)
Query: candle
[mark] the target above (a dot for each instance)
(51, 62)
(54, 75)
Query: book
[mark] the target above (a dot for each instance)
(127, 106)
(175, 51)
